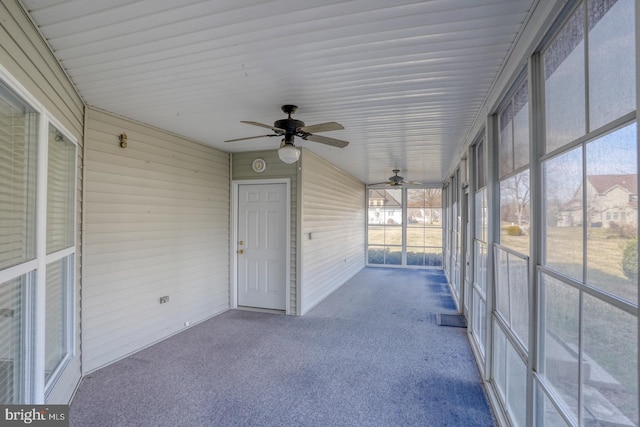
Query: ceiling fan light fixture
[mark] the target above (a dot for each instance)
(288, 152)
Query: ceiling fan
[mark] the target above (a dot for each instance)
(397, 181)
(289, 128)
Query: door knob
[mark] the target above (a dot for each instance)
(240, 251)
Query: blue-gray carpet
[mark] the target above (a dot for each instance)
(371, 354)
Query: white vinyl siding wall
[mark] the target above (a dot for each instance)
(29, 60)
(333, 213)
(156, 224)
(276, 168)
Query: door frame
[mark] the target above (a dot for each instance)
(233, 243)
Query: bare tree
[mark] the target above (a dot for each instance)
(425, 201)
(515, 192)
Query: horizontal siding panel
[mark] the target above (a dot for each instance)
(333, 206)
(148, 187)
(158, 285)
(144, 285)
(102, 202)
(151, 139)
(110, 123)
(126, 165)
(122, 236)
(149, 151)
(28, 58)
(152, 249)
(102, 274)
(136, 226)
(156, 224)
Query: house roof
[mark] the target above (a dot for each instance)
(604, 183)
(389, 200)
(406, 78)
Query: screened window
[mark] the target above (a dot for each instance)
(563, 200)
(384, 233)
(611, 184)
(510, 255)
(514, 212)
(512, 292)
(510, 378)
(480, 249)
(514, 131)
(405, 227)
(513, 151)
(565, 84)
(611, 61)
(424, 227)
(588, 278)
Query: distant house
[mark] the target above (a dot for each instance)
(610, 199)
(384, 208)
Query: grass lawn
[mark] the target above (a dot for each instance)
(430, 236)
(424, 244)
(604, 257)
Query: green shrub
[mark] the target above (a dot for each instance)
(514, 230)
(433, 259)
(630, 260)
(376, 256)
(384, 256)
(394, 258)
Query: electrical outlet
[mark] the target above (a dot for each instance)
(164, 299)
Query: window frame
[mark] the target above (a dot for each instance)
(403, 227)
(35, 389)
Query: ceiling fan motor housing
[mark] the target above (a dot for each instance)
(289, 125)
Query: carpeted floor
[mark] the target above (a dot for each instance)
(369, 355)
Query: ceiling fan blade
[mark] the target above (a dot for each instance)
(380, 183)
(262, 125)
(249, 137)
(321, 127)
(326, 140)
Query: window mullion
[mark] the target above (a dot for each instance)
(587, 125)
(37, 302)
(536, 150)
(403, 260)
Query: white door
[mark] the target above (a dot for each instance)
(262, 234)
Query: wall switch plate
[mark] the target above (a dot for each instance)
(164, 299)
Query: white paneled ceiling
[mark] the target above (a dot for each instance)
(406, 78)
